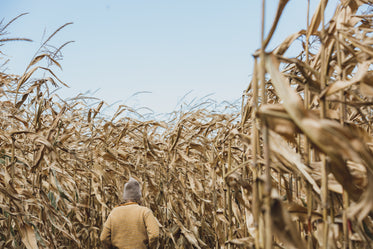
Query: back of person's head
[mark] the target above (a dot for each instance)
(132, 190)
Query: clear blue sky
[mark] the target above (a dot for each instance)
(165, 47)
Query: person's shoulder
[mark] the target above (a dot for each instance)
(113, 211)
(145, 210)
(117, 209)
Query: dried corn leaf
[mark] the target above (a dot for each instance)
(316, 18)
(362, 74)
(282, 149)
(284, 228)
(28, 236)
(248, 242)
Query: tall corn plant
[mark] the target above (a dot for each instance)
(306, 107)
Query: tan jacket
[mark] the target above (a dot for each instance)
(130, 226)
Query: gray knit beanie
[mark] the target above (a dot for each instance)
(132, 190)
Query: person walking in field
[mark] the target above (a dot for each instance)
(129, 225)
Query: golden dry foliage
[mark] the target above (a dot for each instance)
(311, 132)
(296, 172)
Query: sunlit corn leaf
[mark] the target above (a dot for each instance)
(248, 242)
(28, 236)
(362, 75)
(333, 235)
(291, 158)
(40, 57)
(279, 121)
(316, 18)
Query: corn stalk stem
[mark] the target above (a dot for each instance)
(230, 230)
(254, 149)
(215, 204)
(342, 113)
(267, 192)
(324, 177)
(306, 142)
(268, 183)
(13, 160)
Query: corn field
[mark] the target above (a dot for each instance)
(292, 167)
